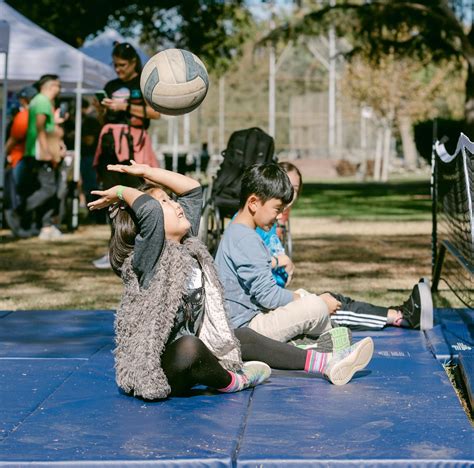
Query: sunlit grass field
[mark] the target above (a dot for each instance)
(394, 201)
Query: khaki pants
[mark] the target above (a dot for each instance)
(308, 315)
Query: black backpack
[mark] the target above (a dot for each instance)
(245, 147)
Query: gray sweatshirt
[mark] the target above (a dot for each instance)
(245, 270)
(149, 241)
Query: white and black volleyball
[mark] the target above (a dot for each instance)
(174, 81)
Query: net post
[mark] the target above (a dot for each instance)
(437, 268)
(434, 209)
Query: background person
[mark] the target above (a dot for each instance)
(44, 150)
(15, 149)
(90, 132)
(15, 145)
(124, 136)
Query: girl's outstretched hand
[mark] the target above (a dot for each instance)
(135, 169)
(107, 198)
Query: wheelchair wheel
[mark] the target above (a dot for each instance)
(286, 238)
(210, 228)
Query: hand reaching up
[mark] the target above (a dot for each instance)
(106, 198)
(135, 169)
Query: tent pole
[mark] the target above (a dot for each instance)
(77, 156)
(3, 156)
(4, 49)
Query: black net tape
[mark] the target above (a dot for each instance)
(454, 183)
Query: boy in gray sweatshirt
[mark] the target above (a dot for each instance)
(252, 295)
(244, 265)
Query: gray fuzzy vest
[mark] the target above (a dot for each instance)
(145, 318)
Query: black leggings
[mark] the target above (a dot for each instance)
(278, 355)
(187, 361)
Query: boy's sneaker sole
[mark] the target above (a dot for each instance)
(426, 304)
(333, 340)
(342, 371)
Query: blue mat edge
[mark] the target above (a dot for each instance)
(436, 337)
(467, 374)
(373, 463)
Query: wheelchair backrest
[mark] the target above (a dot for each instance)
(245, 147)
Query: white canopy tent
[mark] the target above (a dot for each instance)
(34, 52)
(4, 43)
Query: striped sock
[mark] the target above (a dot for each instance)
(236, 384)
(316, 362)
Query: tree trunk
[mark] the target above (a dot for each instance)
(408, 142)
(469, 103)
(378, 154)
(387, 147)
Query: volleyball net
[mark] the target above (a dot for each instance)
(453, 225)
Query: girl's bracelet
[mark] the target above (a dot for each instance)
(277, 263)
(119, 192)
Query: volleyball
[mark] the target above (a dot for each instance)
(174, 82)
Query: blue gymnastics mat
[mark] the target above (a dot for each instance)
(60, 406)
(453, 333)
(466, 364)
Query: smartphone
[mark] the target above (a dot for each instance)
(63, 108)
(100, 95)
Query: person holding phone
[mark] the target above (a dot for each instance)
(100, 95)
(124, 136)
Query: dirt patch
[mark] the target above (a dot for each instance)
(372, 261)
(59, 274)
(302, 227)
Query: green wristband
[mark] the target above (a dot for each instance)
(120, 192)
(276, 260)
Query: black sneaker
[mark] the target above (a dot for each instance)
(417, 310)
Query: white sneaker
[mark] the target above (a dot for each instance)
(102, 263)
(344, 364)
(55, 233)
(255, 373)
(50, 233)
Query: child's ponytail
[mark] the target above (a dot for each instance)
(122, 241)
(124, 230)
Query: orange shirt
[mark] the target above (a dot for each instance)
(18, 131)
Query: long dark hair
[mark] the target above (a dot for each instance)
(126, 51)
(124, 231)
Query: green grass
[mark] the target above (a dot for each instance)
(402, 201)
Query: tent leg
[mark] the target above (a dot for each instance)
(77, 157)
(3, 156)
